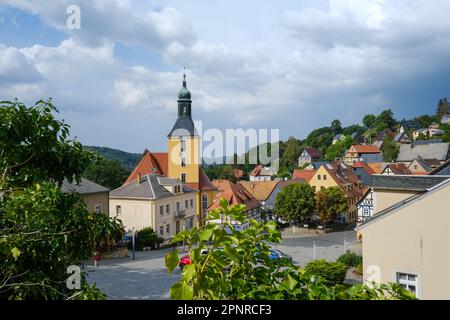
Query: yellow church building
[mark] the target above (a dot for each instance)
(181, 163)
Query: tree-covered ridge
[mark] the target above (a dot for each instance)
(127, 159)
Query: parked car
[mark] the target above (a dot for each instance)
(277, 254)
(186, 260)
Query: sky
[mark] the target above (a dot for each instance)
(290, 65)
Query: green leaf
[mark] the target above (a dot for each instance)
(205, 234)
(171, 260)
(15, 252)
(181, 291)
(188, 272)
(289, 282)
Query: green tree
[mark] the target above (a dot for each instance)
(291, 153)
(337, 150)
(331, 202)
(108, 173)
(369, 120)
(237, 266)
(385, 120)
(295, 202)
(443, 108)
(42, 230)
(336, 126)
(390, 150)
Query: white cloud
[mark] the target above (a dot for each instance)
(311, 65)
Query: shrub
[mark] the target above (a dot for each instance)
(147, 237)
(359, 269)
(332, 272)
(350, 259)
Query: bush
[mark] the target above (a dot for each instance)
(359, 269)
(332, 272)
(350, 259)
(147, 237)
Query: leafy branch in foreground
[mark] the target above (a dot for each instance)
(237, 266)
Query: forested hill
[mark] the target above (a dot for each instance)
(127, 159)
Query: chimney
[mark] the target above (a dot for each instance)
(139, 178)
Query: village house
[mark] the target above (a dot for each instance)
(339, 175)
(165, 204)
(402, 138)
(388, 190)
(338, 137)
(408, 242)
(363, 171)
(308, 156)
(261, 190)
(306, 175)
(428, 133)
(182, 161)
(315, 165)
(235, 194)
(95, 196)
(261, 173)
(406, 125)
(269, 203)
(365, 153)
(396, 169)
(443, 170)
(423, 167)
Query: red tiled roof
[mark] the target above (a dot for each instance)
(256, 170)
(398, 168)
(362, 148)
(343, 176)
(304, 174)
(313, 152)
(236, 194)
(155, 162)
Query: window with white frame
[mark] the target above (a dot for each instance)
(161, 230)
(118, 210)
(192, 203)
(161, 211)
(409, 282)
(167, 209)
(168, 229)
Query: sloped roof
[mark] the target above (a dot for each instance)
(363, 148)
(364, 166)
(150, 187)
(377, 167)
(84, 187)
(260, 170)
(444, 169)
(423, 164)
(313, 152)
(409, 152)
(261, 190)
(151, 163)
(405, 182)
(236, 194)
(317, 164)
(398, 168)
(394, 208)
(343, 175)
(184, 126)
(304, 174)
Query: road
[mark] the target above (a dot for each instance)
(147, 278)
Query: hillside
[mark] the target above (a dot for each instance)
(129, 160)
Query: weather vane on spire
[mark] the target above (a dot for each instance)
(184, 76)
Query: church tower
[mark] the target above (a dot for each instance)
(184, 143)
(184, 161)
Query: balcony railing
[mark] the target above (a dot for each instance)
(180, 214)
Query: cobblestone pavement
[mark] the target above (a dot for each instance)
(146, 276)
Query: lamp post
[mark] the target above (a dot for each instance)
(133, 242)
